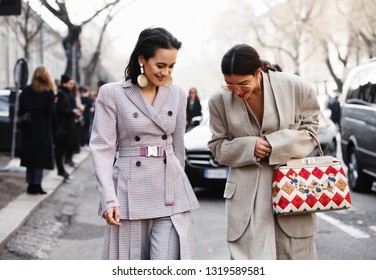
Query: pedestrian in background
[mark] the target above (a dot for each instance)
(193, 106)
(95, 95)
(88, 104)
(63, 118)
(76, 124)
(36, 110)
(146, 197)
(335, 107)
(262, 118)
(99, 84)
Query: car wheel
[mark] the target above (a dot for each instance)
(358, 180)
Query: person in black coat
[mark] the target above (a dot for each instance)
(35, 114)
(63, 118)
(74, 141)
(88, 101)
(335, 106)
(193, 106)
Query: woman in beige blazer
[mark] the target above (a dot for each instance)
(146, 198)
(262, 118)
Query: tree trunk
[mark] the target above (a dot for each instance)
(72, 48)
(338, 81)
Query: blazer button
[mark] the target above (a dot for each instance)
(138, 163)
(169, 113)
(137, 138)
(135, 115)
(164, 137)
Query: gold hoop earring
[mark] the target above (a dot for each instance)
(141, 79)
(168, 82)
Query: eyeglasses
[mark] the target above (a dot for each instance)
(232, 88)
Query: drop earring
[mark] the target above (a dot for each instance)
(168, 81)
(141, 79)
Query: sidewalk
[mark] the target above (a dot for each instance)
(16, 205)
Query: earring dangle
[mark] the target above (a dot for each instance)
(141, 79)
(168, 81)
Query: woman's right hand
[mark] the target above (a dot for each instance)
(262, 148)
(112, 216)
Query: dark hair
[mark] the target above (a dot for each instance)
(277, 67)
(149, 40)
(242, 59)
(192, 88)
(101, 83)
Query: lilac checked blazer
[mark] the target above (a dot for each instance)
(144, 187)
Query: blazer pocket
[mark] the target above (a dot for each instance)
(229, 190)
(124, 188)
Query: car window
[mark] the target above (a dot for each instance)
(4, 106)
(360, 85)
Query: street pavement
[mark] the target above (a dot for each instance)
(23, 214)
(65, 226)
(84, 237)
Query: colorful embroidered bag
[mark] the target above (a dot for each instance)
(309, 185)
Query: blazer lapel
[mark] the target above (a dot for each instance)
(135, 96)
(279, 89)
(238, 109)
(160, 99)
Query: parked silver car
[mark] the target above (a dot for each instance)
(358, 126)
(204, 171)
(6, 120)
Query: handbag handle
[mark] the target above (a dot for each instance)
(321, 153)
(309, 160)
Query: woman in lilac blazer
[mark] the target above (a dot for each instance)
(146, 197)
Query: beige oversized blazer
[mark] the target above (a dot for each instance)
(233, 141)
(143, 187)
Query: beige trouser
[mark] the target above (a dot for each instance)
(289, 248)
(265, 242)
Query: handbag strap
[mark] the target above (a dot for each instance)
(298, 162)
(321, 153)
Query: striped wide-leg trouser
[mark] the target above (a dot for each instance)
(166, 238)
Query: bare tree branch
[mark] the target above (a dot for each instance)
(71, 42)
(27, 29)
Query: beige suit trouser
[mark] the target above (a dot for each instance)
(283, 248)
(290, 248)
